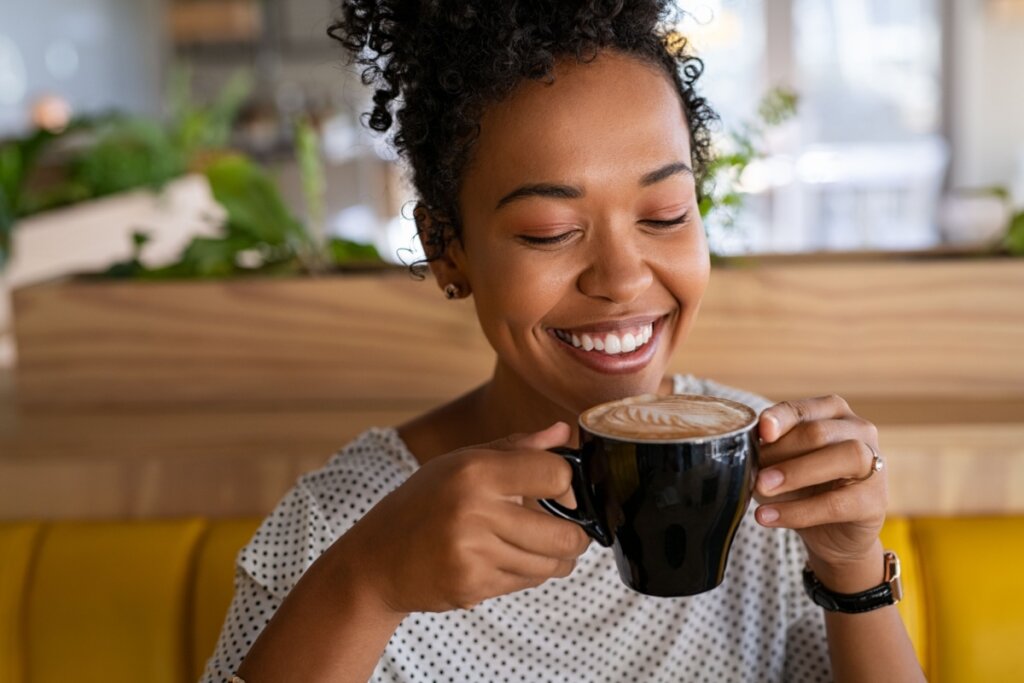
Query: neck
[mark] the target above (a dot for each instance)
(508, 405)
(503, 405)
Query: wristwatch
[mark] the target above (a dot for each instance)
(889, 592)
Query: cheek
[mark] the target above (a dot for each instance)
(513, 292)
(685, 265)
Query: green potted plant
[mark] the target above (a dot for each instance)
(242, 225)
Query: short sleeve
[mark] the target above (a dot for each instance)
(294, 535)
(251, 609)
(287, 542)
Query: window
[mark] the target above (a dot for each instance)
(862, 164)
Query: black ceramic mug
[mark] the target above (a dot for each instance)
(665, 482)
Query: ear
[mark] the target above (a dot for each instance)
(446, 266)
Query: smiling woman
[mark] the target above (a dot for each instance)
(555, 147)
(595, 222)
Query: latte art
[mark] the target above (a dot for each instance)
(667, 417)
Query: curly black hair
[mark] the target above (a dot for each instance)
(437, 64)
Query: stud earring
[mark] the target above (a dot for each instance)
(452, 290)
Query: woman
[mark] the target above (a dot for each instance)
(555, 148)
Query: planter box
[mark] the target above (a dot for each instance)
(890, 330)
(89, 236)
(339, 342)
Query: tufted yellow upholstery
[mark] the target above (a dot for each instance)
(17, 548)
(971, 571)
(109, 601)
(144, 601)
(214, 585)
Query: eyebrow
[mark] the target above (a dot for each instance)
(665, 172)
(555, 191)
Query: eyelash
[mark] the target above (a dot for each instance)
(558, 239)
(669, 223)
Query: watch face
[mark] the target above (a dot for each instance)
(892, 575)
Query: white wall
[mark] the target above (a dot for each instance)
(98, 54)
(988, 81)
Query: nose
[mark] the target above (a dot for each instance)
(617, 270)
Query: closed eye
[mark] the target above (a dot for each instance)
(558, 239)
(672, 222)
(555, 239)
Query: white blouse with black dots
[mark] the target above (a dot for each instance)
(757, 626)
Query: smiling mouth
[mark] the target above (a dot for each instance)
(610, 343)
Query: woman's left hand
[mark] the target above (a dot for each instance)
(817, 477)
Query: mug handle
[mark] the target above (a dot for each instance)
(584, 514)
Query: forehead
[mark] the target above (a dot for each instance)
(617, 115)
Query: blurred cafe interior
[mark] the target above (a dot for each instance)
(202, 249)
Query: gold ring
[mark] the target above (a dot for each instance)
(876, 464)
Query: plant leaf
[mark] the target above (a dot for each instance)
(254, 206)
(1015, 235)
(346, 251)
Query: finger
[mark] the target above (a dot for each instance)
(850, 459)
(531, 474)
(535, 569)
(540, 533)
(513, 583)
(782, 417)
(849, 504)
(811, 436)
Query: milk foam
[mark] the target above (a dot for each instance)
(667, 417)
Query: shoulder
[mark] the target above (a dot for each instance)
(376, 459)
(322, 506)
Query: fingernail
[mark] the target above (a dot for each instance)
(769, 515)
(769, 479)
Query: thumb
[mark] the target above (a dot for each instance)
(556, 435)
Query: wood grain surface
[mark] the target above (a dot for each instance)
(897, 329)
(342, 341)
(145, 400)
(226, 463)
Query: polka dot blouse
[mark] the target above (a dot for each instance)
(757, 626)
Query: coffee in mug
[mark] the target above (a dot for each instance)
(664, 481)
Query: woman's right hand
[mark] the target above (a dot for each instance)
(459, 530)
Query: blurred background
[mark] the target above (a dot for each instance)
(906, 124)
(202, 296)
(193, 144)
(205, 141)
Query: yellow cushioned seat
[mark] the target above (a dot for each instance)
(971, 570)
(214, 584)
(17, 548)
(144, 601)
(107, 602)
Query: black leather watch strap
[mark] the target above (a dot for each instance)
(887, 593)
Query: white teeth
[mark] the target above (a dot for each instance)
(610, 343)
